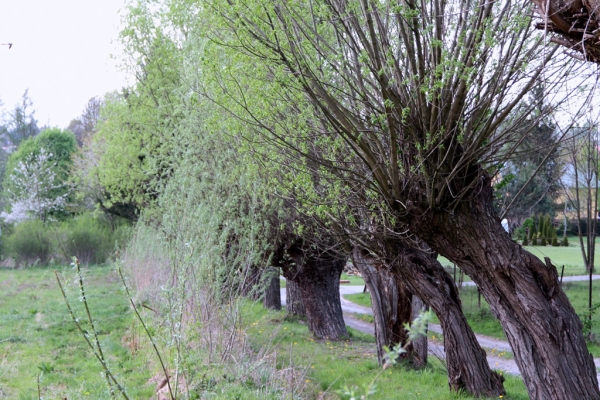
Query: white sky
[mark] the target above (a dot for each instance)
(61, 53)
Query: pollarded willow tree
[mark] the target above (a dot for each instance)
(422, 95)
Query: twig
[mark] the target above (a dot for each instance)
(108, 374)
(147, 332)
(38, 386)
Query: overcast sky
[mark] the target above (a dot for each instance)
(61, 53)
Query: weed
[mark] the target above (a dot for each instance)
(46, 368)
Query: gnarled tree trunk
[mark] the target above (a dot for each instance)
(317, 277)
(524, 294)
(466, 361)
(391, 304)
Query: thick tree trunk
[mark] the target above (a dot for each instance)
(391, 306)
(272, 295)
(524, 294)
(293, 300)
(317, 277)
(466, 361)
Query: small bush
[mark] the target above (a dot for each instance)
(555, 242)
(29, 243)
(525, 241)
(84, 237)
(565, 241)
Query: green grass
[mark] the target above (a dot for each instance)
(570, 257)
(329, 366)
(364, 317)
(37, 335)
(362, 299)
(354, 280)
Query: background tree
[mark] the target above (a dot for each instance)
(86, 125)
(34, 188)
(36, 182)
(583, 179)
(531, 175)
(21, 123)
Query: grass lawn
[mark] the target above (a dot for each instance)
(354, 280)
(570, 257)
(38, 338)
(329, 366)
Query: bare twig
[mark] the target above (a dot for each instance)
(164, 368)
(109, 376)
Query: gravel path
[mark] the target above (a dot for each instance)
(436, 348)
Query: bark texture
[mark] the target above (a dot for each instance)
(272, 289)
(391, 304)
(575, 24)
(524, 294)
(293, 300)
(466, 361)
(419, 345)
(317, 277)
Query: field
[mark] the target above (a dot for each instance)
(38, 340)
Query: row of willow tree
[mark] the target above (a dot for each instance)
(298, 135)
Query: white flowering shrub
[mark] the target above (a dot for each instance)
(36, 191)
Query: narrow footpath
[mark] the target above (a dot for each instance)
(436, 348)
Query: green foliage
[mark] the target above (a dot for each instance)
(90, 239)
(84, 237)
(565, 241)
(61, 144)
(29, 243)
(137, 141)
(525, 241)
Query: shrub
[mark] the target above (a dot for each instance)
(84, 237)
(525, 241)
(565, 241)
(29, 243)
(555, 242)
